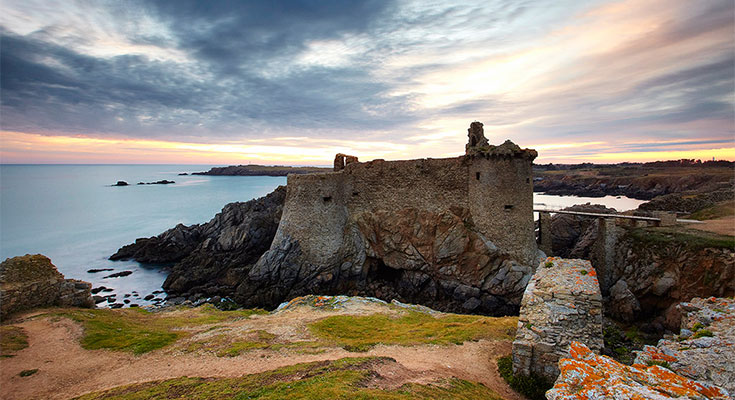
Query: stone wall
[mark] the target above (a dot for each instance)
(32, 281)
(562, 303)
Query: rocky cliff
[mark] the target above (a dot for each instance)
(212, 258)
(650, 269)
(32, 281)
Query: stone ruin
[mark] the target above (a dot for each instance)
(562, 303)
(476, 136)
(340, 160)
(32, 281)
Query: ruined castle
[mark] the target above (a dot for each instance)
(453, 233)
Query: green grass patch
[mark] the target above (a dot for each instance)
(12, 340)
(534, 387)
(719, 210)
(139, 331)
(697, 326)
(660, 363)
(360, 333)
(703, 333)
(690, 238)
(345, 378)
(549, 264)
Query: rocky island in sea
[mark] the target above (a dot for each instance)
(353, 261)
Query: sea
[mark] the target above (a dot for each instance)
(73, 214)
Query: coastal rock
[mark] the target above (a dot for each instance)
(623, 303)
(121, 183)
(573, 235)
(703, 351)
(33, 281)
(212, 257)
(410, 255)
(586, 375)
(118, 274)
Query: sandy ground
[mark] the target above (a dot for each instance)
(723, 226)
(66, 370)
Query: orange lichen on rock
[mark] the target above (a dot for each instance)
(587, 375)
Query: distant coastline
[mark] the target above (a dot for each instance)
(260, 170)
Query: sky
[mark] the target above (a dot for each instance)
(294, 82)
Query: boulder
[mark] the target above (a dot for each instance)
(623, 304)
(32, 281)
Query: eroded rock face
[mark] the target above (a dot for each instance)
(573, 236)
(32, 281)
(660, 275)
(586, 375)
(410, 255)
(212, 258)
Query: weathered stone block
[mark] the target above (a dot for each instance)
(548, 324)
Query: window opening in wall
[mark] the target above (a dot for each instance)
(528, 180)
(477, 176)
(327, 198)
(355, 193)
(508, 207)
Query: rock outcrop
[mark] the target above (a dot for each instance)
(32, 281)
(212, 258)
(562, 303)
(704, 350)
(645, 271)
(573, 236)
(652, 271)
(586, 375)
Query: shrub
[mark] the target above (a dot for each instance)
(534, 386)
(549, 264)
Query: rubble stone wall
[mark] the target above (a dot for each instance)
(562, 303)
(33, 281)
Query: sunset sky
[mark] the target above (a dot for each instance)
(294, 82)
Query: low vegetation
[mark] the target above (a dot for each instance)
(139, 331)
(12, 340)
(27, 372)
(620, 341)
(226, 343)
(346, 378)
(719, 210)
(360, 333)
(690, 238)
(534, 387)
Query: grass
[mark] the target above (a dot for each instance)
(360, 333)
(690, 238)
(702, 333)
(660, 363)
(719, 210)
(12, 340)
(534, 387)
(346, 378)
(139, 331)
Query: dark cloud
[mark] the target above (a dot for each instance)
(53, 88)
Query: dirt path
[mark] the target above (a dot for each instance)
(66, 370)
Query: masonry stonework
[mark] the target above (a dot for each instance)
(562, 303)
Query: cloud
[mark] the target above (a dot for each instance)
(410, 73)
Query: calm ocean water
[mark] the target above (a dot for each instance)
(71, 214)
